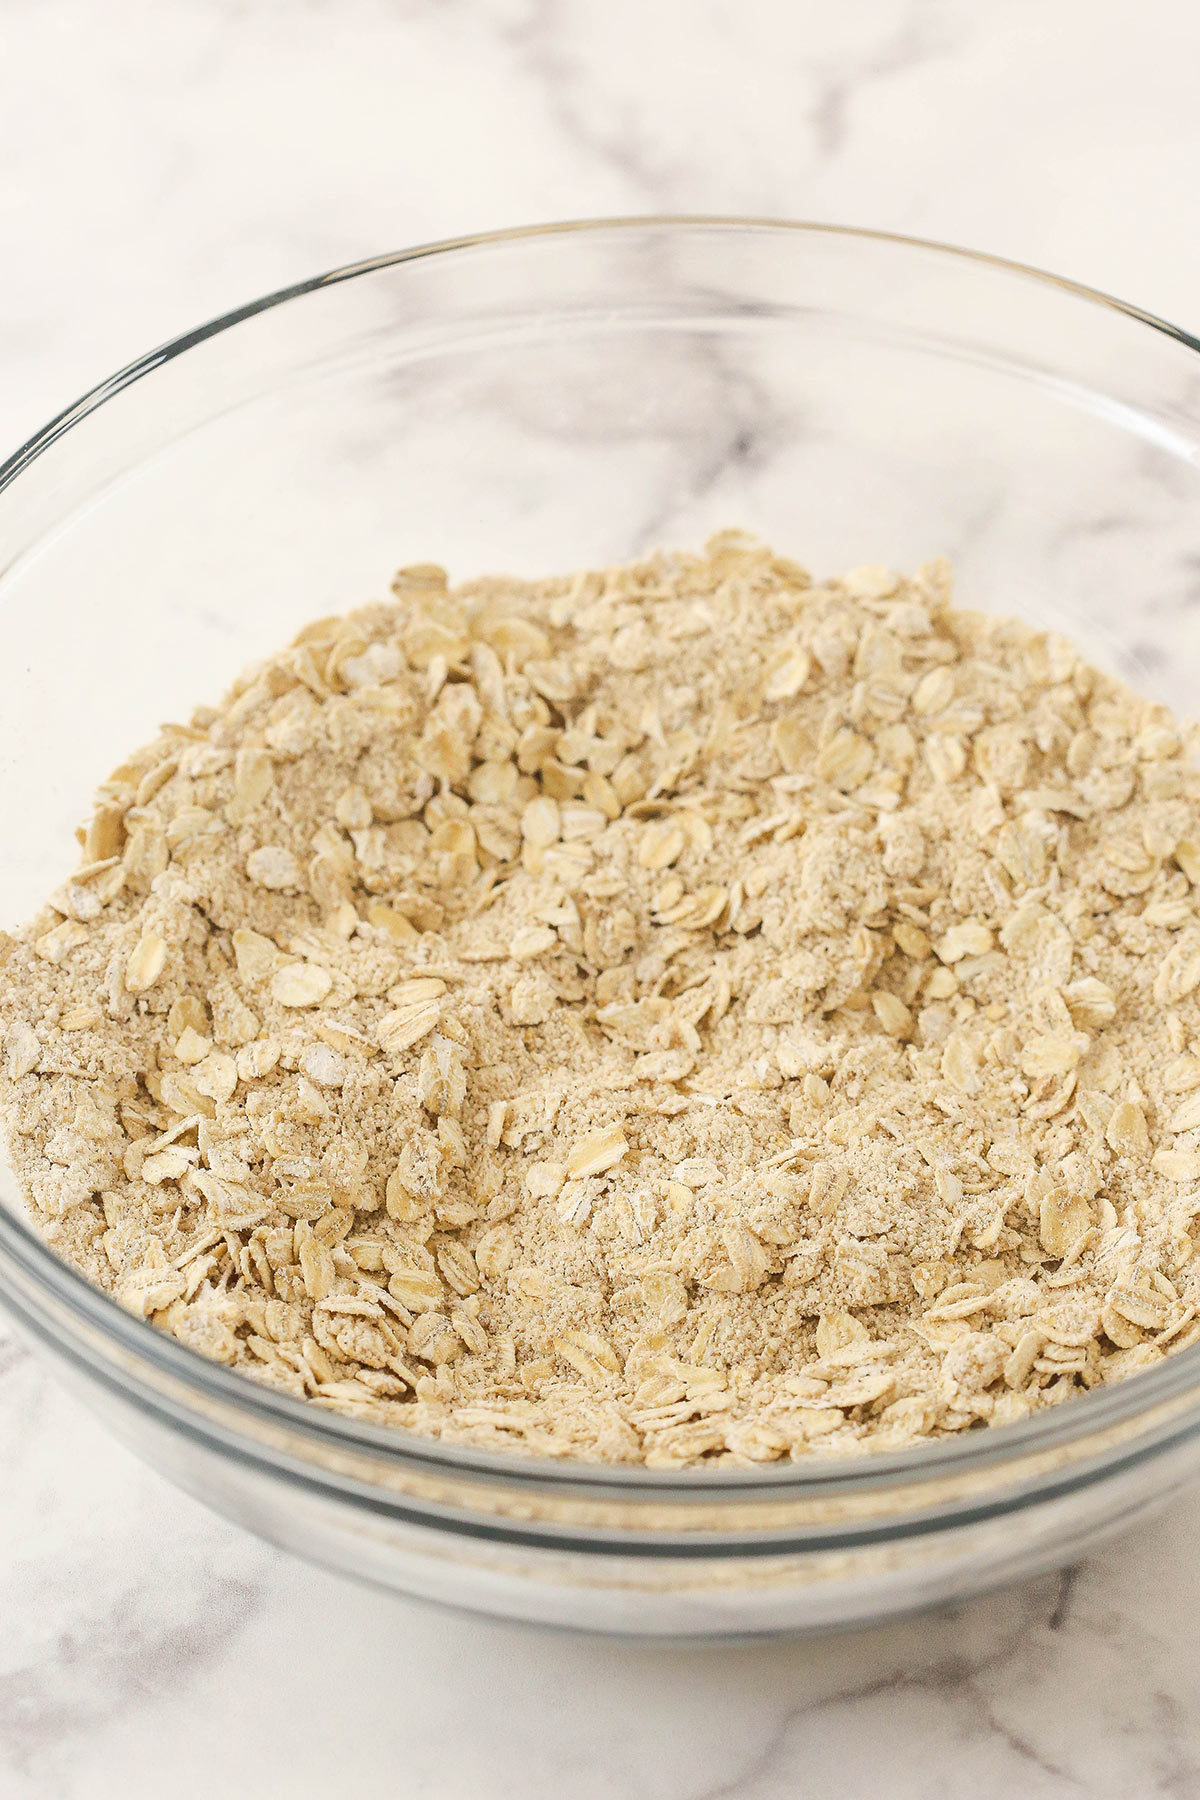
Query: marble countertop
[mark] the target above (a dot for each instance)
(161, 163)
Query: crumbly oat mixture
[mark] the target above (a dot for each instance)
(671, 1013)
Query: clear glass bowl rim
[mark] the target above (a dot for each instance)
(990, 1447)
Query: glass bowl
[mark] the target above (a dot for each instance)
(543, 400)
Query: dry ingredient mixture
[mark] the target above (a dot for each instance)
(668, 1013)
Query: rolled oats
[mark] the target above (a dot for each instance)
(677, 1012)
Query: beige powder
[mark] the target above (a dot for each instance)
(666, 1013)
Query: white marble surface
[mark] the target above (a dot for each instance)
(159, 162)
